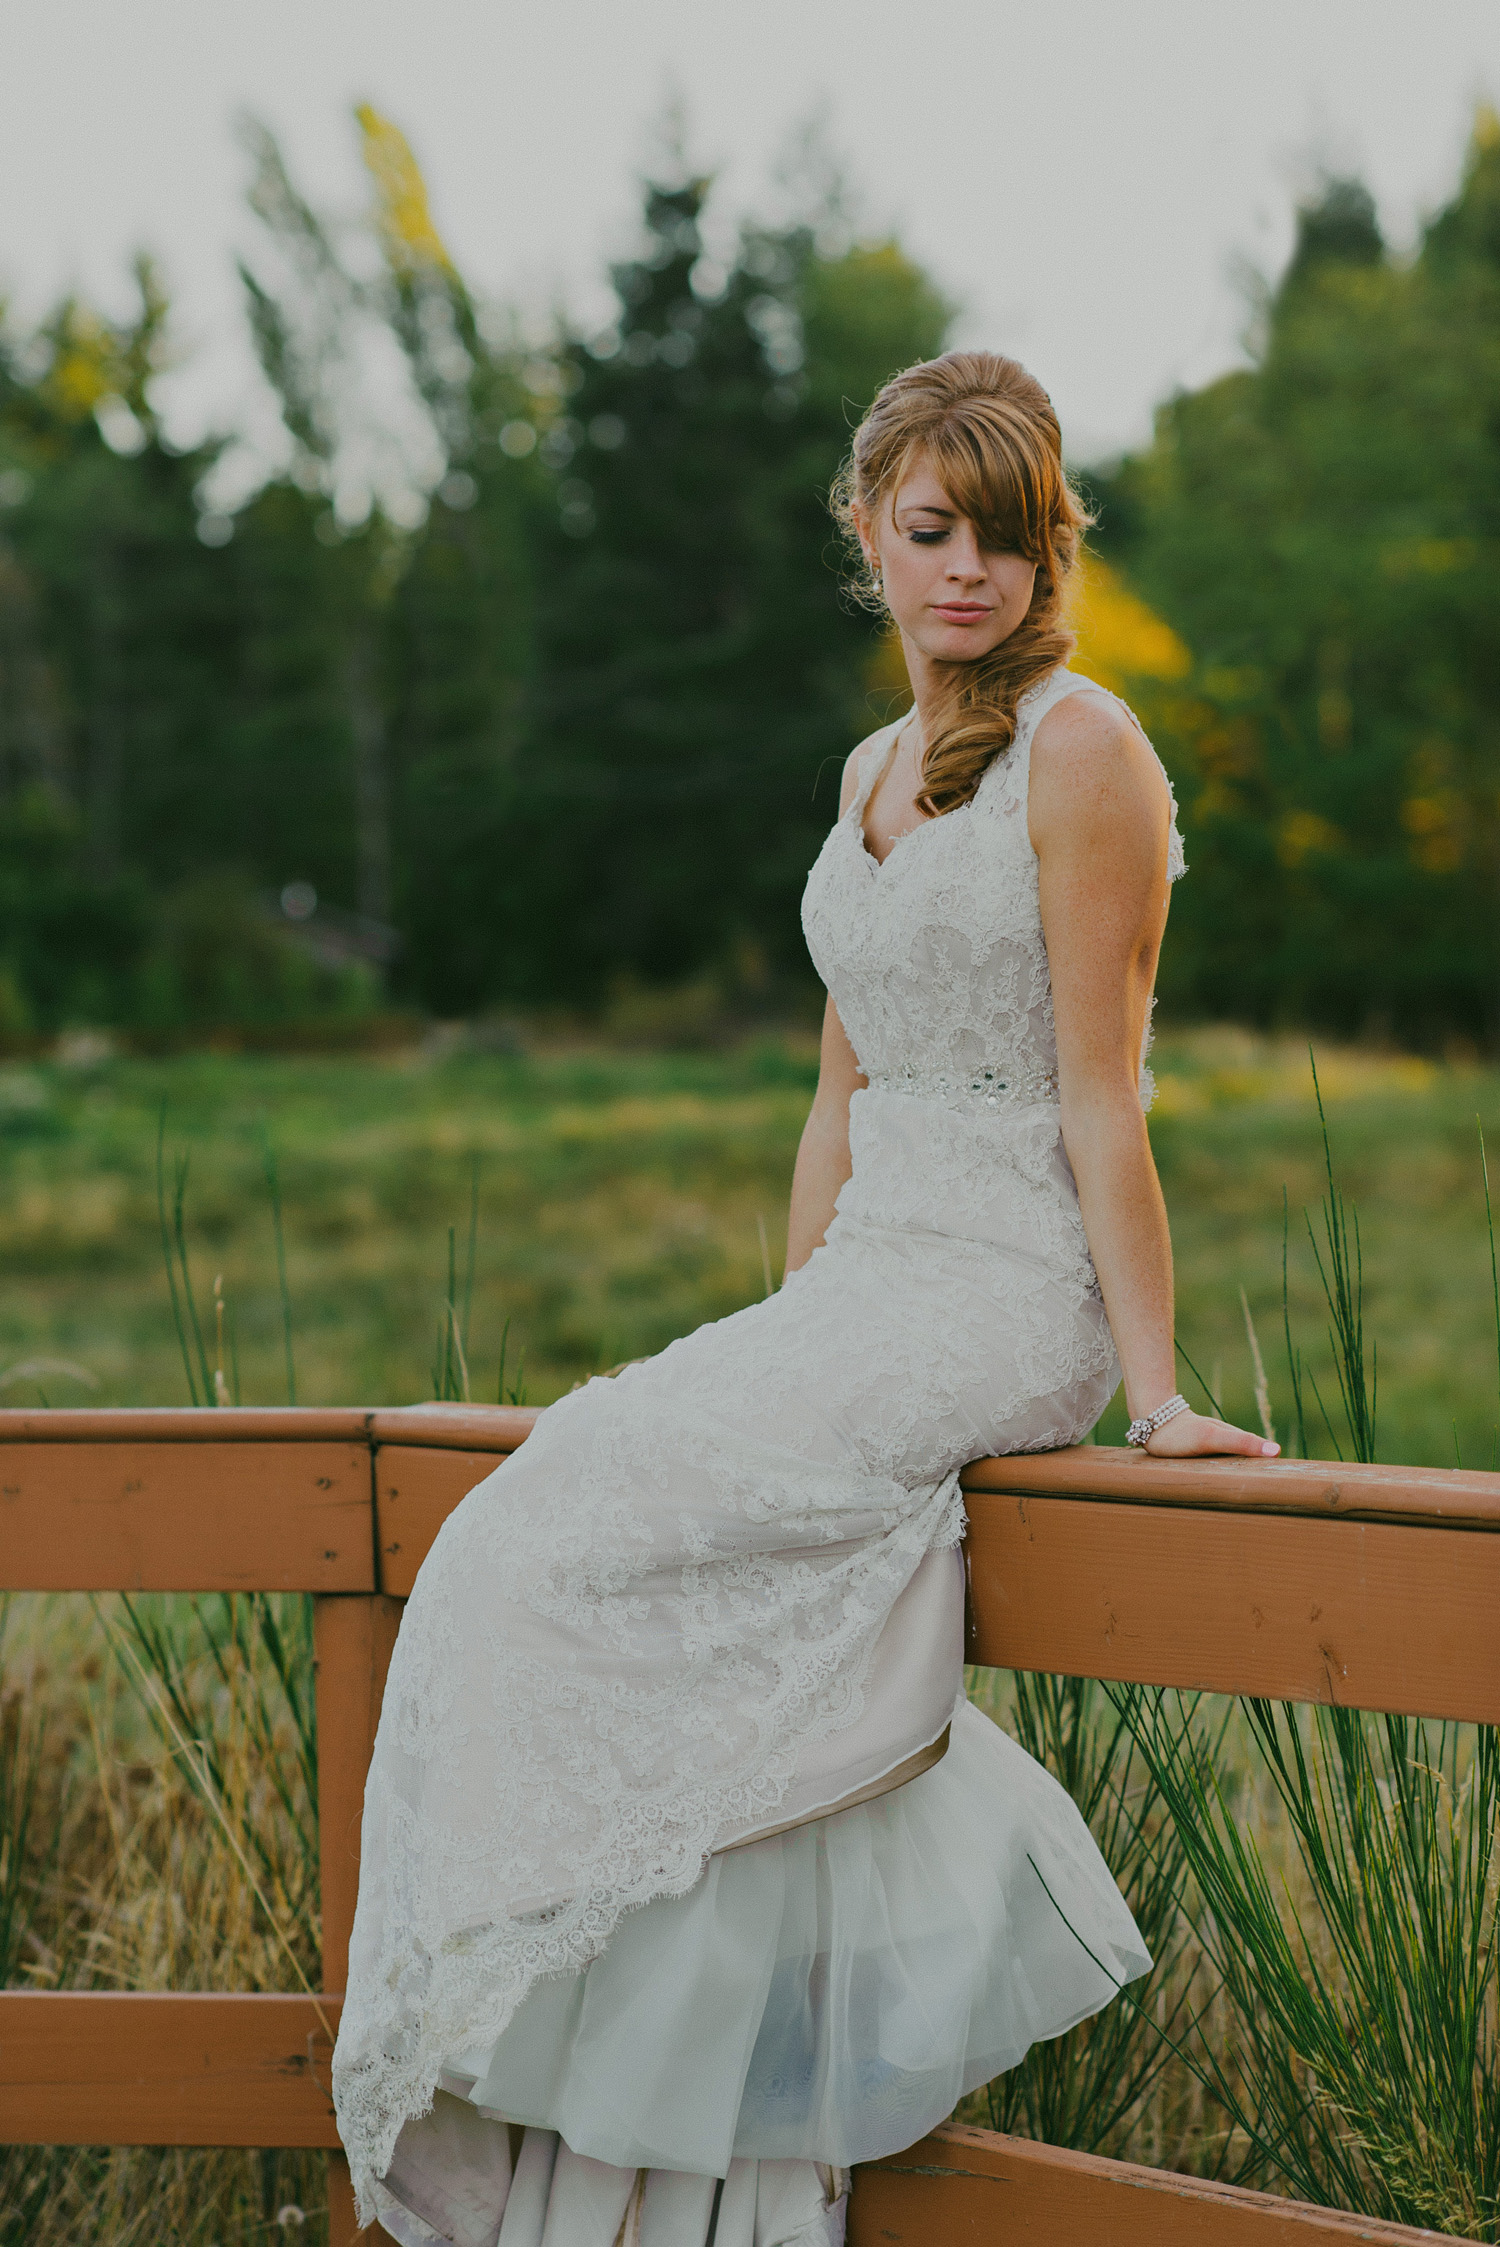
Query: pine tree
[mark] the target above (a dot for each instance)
(697, 672)
(1319, 528)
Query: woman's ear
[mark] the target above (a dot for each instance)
(863, 529)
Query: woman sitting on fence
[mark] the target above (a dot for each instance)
(689, 1877)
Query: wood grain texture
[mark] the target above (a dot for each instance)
(343, 2223)
(416, 1489)
(974, 2188)
(229, 1423)
(353, 1642)
(115, 2068)
(455, 1427)
(176, 1517)
(1373, 1615)
(1459, 1497)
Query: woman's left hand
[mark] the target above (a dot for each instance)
(1190, 1436)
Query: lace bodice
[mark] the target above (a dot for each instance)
(935, 956)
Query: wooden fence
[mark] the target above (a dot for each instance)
(1371, 1587)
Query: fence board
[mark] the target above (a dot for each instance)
(1360, 1614)
(1463, 1498)
(353, 1641)
(1370, 1586)
(174, 1517)
(974, 2188)
(187, 1423)
(148, 2068)
(416, 1489)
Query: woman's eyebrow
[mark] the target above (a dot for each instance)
(925, 507)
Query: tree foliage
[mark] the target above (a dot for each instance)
(535, 652)
(531, 659)
(1322, 529)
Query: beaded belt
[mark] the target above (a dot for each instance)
(989, 1088)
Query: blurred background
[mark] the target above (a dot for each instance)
(424, 679)
(424, 673)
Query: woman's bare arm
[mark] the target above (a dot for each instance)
(1099, 818)
(823, 1153)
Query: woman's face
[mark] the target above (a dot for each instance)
(951, 598)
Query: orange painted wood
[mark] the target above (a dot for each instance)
(175, 1517)
(128, 2068)
(1374, 1615)
(343, 2223)
(455, 1427)
(1462, 1498)
(415, 1492)
(974, 2188)
(353, 1640)
(230, 1423)
(479, 1427)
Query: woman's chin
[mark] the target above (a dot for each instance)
(956, 643)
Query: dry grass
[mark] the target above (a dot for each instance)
(620, 1200)
(131, 1883)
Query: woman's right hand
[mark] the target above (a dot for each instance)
(1190, 1435)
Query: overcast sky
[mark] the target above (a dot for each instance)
(1089, 178)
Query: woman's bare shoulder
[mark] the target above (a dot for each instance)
(1094, 771)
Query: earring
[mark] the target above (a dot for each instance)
(878, 581)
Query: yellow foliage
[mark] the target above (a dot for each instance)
(402, 214)
(1303, 834)
(1435, 824)
(1429, 557)
(1120, 640)
(86, 364)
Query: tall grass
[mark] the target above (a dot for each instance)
(1318, 1888)
(1362, 2066)
(123, 1877)
(1359, 1975)
(1104, 2085)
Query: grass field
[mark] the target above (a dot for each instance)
(620, 1200)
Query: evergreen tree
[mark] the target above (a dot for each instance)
(1319, 529)
(696, 671)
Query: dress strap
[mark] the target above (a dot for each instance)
(873, 761)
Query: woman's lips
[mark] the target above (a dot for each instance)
(960, 612)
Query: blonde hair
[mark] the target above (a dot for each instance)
(993, 440)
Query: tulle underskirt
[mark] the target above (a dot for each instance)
(827, 1994)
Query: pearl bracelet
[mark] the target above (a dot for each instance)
(1141, 1431)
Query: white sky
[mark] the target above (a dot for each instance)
(1087, 177)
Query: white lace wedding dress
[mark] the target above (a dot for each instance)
(713, 1599)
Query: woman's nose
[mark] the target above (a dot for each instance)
(963, 557)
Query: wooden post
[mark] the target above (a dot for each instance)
(354, 1636)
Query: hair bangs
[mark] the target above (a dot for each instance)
(997, 476)
(989, 433)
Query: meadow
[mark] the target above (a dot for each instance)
(614, 1198)
(624, 1196)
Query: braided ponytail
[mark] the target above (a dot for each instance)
(993, 441)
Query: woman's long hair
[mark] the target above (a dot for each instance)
(990, 433)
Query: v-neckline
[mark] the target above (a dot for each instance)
(861, 805)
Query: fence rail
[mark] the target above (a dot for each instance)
(1368, 1587)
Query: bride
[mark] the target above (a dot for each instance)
(689, 1877)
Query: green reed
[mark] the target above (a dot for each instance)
(1085, 2089)
(23, 1748)
(1359, 1979)
(1343, 1886)
(250, 1653)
